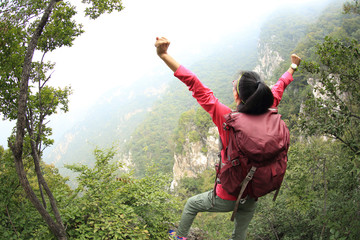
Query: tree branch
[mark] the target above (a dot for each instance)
(24, 83)
(7, 211)
(30, 130)
(350, 114)
(344, 142)
(17, 146)
(273, 229)
(46, 80)
(41, 179)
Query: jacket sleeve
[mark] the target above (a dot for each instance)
(204, 97)
(279, 88)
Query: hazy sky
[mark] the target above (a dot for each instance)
(119, 48)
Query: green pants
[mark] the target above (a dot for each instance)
(203, 203)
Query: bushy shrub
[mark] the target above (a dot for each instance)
(110, 205)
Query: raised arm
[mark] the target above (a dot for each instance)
(285, 80)
(162, 45)
(295, 59)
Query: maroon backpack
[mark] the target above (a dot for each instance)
(256, 155)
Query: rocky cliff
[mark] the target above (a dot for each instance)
(268, 59)
(192, 160)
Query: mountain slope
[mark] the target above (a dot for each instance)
(153, 140)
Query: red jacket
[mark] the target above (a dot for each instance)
(205, 97)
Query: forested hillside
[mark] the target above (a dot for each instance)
(320, 195)
(109, 122)
(153, 140)
(142, 125)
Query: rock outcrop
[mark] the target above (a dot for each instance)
(192, 160)
(269, 59)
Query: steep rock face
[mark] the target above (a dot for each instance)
(192, 161)
(126, 161)
(268, 60)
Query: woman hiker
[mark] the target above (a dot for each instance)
(252, 96)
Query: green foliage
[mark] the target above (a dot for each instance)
(291, 104)
(331, 23)
(18, 23)
(190, 186)
(318, 196)
(283, 31)
(153, 203)
(193, 126)
(151, 140)
(18, 218)
(114, 206)
(334, 111)
(352, 7)
(61, 30)
(27, 25)
(106, 204)
(314, 200)
(98, 8)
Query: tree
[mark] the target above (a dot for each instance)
(18, 217)
(318, 198)
(27, 25)
(334, 110)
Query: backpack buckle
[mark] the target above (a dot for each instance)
(243, 200)
(235, 162)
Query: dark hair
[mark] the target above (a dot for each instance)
(256, 97)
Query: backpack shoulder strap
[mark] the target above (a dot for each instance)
(243, 184)
(217, 168)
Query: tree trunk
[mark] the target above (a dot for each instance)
(17, 147)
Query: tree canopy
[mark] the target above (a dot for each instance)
(27, 26)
